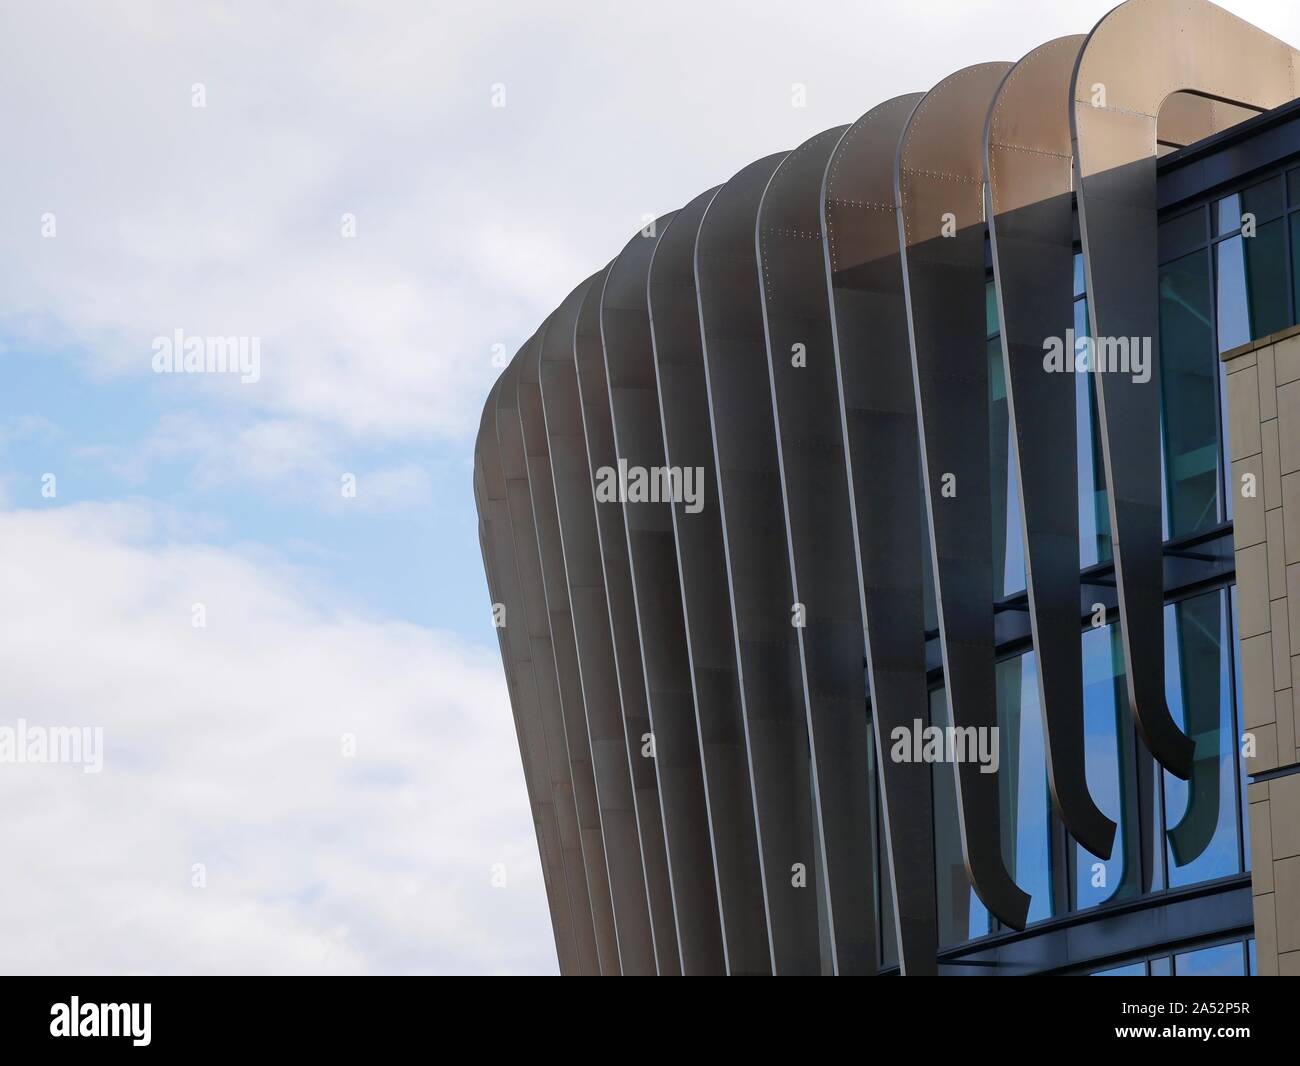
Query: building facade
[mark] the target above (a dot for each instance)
(895, 552)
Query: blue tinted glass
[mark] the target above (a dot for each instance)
(1225, 960)
(1243, 821)
(1022, 783)
(1201, 813)
(1250, 947)
(1189, 370)
(961, 915)
(1094, 513)
(1008, 545)
(1161, 967)
(1133, 969)
(1252, 299)
(1095, 879)
(1080, 285)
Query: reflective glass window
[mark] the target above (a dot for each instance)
(1022, 781)
(1252, 300)
(961, 915)
(1201, 813)
(1224, 960)
(1189, 370)
(1108, 766)
(1094, 510)
(1262, 201)
(1132, 969)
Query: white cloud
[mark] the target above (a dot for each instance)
(223, 747)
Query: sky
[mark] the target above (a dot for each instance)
(268, 594)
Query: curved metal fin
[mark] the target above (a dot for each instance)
(939, 182)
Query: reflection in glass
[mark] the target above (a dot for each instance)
(1189, 369)
(961, 915)
(1243, 821)
(1108, 766)
(1132, 969)
(1252, 298)
(1004, 479)
(1094, 510)
(1022, 783)
(1201, 813)
(1161, 967)
(1225, 960)
(1262, 202)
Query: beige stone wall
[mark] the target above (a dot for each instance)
(1264, 445)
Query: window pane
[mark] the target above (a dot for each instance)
(1022, 783)
(1133, 969)
(1293, 187)
(1294, 223)
(1106, 764)
(1004, 481)
(1188, 372)
(1161, 967)
(1250, 948)
(961, 915)
(1225, 960)
(1263, 201)
(1243, 823)
(1252, 299)
(1079, 283)
(1201, 813)
(1094, 512)
(1180, 235)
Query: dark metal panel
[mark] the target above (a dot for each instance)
(503, 584)
(814, 485)
(697, 525)
(563, 642)
(1133, 59)
(878, 423)
(575, 506)
(545, 675)
(1031, 220)
(939, 178)
(599, 432)
(557, 903)
(758, 573)
(652, 553)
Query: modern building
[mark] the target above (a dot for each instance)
(895, 551)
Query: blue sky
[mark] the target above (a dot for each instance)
(128, 212)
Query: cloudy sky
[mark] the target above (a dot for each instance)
(331, 755)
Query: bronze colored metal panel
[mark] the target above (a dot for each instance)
(877, 409)
(497, 542)
(575, 507)
(1133, 59)
(1031, 220)
(939, 178)
(652, 553)
(589, 360)
(697, 525)
(528, 562)
(758, 573)
(819, 526)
